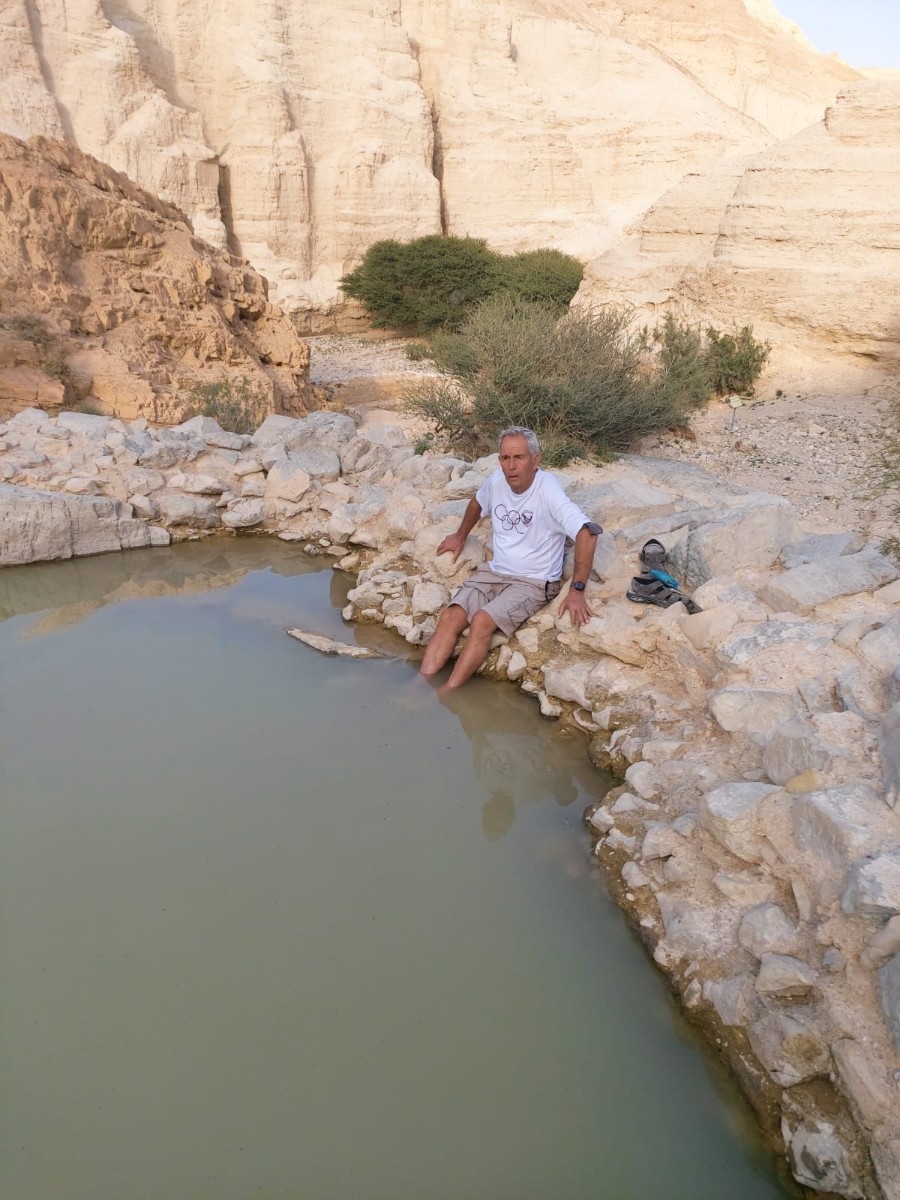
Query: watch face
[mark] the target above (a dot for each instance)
(579, 587)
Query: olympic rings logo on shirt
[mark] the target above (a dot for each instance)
(513, 519)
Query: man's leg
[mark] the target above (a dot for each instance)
(443, 641)
(475, 650)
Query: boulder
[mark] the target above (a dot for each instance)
(731, 814)
(882, 945)
(804, 588)
(783, 976)
(200, 485)
(319, 462)
(243, 514)
(287, 480)
(873, 888)
(767, 929)
(819, 1161)
(735, 999)
(756, 712)
(617, 501)
(753, 537)
(773, 634)
(816, 546)
(37, 526)
(881, 647)
(428, 598)
(789, 1048)
(565, 680)
(276, 429)
(85, 424)
(193, 511)
(793, 748)
(613, 633)
(889, 749)
(325, 430)
(863, 1078)
(833, 829)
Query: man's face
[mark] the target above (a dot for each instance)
(518, 464)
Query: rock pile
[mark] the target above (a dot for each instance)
(755, 837)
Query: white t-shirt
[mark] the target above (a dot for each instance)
(530, 529)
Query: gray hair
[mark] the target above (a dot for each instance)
(529, 435)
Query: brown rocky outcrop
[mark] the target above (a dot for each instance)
(106, 296)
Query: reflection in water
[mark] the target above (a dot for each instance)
(69, 592)
(519, 761)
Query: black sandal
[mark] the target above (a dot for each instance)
(654, 554)
(645, 589)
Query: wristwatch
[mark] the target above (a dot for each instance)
(577, 587)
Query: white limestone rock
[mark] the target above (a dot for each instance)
(804, 588)
(767, 929)
(735, 999)
(873, 888)
(732, 815)
(752, 537)
(793, 748)
(194, 511)
(833, 828)
(287, 480)
(819, 1160)
(817, 546)
(785, 977)
(36, 526)
(789, 1047)
(756, 712)
(243, 514)
(428, 598)
(882, 945)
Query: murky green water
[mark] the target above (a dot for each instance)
(280, 926)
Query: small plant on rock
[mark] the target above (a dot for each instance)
(239, 405)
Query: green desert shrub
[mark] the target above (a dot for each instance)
(735, 360)
(239, 405)
(585, 382)
(431, 283)
(545, 275)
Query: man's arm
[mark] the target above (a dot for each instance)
(574, 603)
(454, 542)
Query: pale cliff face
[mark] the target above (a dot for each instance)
(800, 239)
(298, 134)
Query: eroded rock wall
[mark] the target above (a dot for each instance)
(801, 239)
(107, 297)
(297, 135)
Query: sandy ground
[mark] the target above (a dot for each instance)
(812, 449)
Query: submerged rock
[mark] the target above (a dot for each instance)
(327, 645)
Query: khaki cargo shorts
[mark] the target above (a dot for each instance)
(508, 600)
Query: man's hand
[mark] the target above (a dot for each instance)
(577, 607)
(452, 544)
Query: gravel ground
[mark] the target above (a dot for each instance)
(813, 450)
(342, 359)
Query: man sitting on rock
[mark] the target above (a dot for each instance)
(531, 517)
